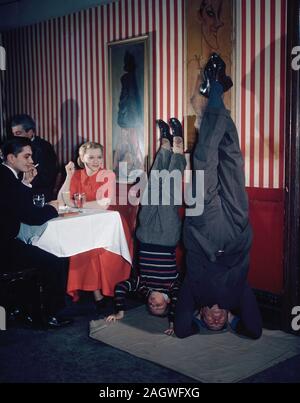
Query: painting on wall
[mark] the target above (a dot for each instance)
(209, 28)
(128, 133)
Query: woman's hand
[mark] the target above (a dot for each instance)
(115, 317)
(70, 169)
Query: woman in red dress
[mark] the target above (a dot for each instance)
(97, 270)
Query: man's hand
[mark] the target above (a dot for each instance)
(54, 203)
(170, 330)
(29, 175)
(115, 317)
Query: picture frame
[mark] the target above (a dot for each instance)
(128, 143)
(208, 29)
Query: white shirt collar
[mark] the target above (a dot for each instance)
(12, 170)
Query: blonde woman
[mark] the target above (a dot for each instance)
(98, 270)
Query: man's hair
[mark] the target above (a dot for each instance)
(14, 146)
(25, 120)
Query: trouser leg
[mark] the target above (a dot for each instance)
(52, 272)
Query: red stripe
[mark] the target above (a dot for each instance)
(162, 59)
(103, 80)
(154, 30)
(64, 104)
(120, 19)
(176, 61)
(92, 106)
(97, 73)
(37, 78)
(168, 45)
(282, 93)
(243, 74)
(52, 84)
(126, 18)
(114, 20)
(146, 15)
(252, 92)
(72, 79)
(262, 94)
(47, 98)
(140, 17)
(133, 18)
(272, 94)
(42, 82)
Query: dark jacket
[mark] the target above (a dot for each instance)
(44, 155)
(16, 206)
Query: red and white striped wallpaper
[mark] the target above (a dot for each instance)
(260, 89)
(57, 70)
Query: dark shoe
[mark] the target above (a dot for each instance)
(176, 127)
(54, 322)
(215, 71)
(100, 305)
(164, 131)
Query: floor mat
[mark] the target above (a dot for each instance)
(206, 357)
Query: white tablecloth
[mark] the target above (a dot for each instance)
(67, 236)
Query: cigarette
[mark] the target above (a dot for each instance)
(36, 165)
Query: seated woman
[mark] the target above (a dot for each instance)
(97, 270)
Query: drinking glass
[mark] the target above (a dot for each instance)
(39, 200)
(79, 200)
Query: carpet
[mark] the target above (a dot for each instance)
(211, 358)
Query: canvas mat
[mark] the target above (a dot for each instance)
(206, 357)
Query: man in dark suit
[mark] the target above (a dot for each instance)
(43, 155)
(16, 206)
(219, 240)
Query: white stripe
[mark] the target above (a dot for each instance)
(158, 253)
(248, 93)
(164, 61)
(158, 39)
(73, 96)
(123, 18)
(257, 92)
(84, 134)
(105, 84)
(137, 10)
(238, 80)
(277, 94)
(130, 33)
(100, 84)
(143, 28)
(172, 60)
(117, 22)
(49, 62)
(180, 62)
(143, 276)
(45, 132)
(67, 101)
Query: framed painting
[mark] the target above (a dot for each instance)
(128, 115)
(208, 29)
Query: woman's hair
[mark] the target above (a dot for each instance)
(84, 148)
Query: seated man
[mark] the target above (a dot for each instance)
(159, 231)
(218, 241)
(16, 206)
(44, 156)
